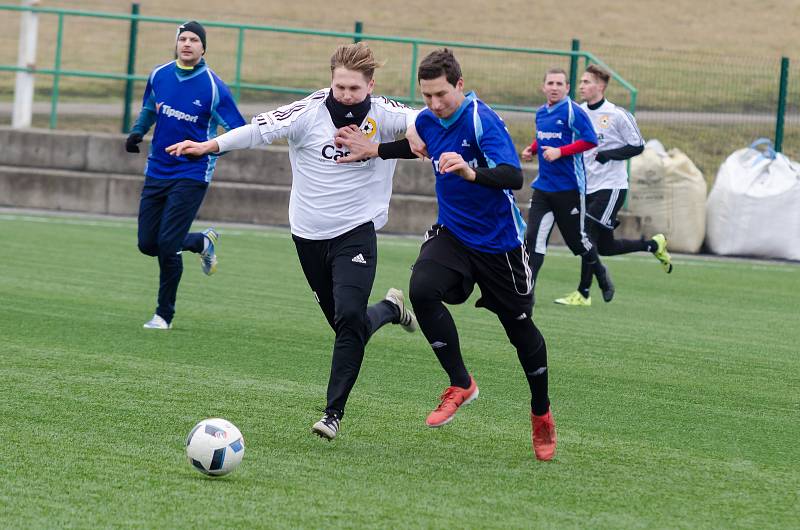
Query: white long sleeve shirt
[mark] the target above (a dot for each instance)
(615, 128)
(328, 199)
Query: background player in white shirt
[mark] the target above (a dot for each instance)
(335, 209)
(607, 180)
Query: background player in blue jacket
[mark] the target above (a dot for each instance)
(478, 238)
(563, 132)
(185, 100)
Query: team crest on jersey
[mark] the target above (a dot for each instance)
(605, 121)
(369, 128)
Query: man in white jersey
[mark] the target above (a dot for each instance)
(335, 209)
(607, 180)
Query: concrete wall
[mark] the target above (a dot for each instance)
(80, 172)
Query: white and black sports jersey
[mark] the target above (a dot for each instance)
(329, 199)
(615, 128)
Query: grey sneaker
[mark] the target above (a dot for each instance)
(157, 323)
(328, 426)
(407, 319)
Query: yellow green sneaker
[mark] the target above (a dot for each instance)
(661, 253)
(574, 298)
(208, 257)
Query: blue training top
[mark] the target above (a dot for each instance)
(482, 218)
(557, 126)
(185, 104)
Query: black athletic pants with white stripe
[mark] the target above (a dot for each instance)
(340, 272)
(565, 208)
(446, 272)
(602, 207)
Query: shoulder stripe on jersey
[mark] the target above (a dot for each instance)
(211, 130)
(281, 114)
(214, 93)
(297, 106)
(286, 115)
(389, 104)
(321, 93)
(577, 161)
(628, 116)
(477, 125)
(158, 69)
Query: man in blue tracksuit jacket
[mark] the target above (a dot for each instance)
(186, 101)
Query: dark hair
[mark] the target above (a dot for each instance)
(599, 72)
(555, 70)
(440, 63)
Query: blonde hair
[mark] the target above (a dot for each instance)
(600, 73)
(357, 57)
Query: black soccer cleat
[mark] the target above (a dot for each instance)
(606, 285)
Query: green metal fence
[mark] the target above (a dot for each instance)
(709, 104)
(284, 60)
(705, 103)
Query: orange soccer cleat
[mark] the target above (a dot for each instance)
(452, 398)
(543, 436)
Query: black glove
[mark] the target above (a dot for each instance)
(132, 143)
(602, 157)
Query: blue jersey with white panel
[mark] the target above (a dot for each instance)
(184, 104)
(482, 218)
(556, 126)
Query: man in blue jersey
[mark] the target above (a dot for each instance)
(185, 100)
(619, 139)
(478, 238)
(563, 132)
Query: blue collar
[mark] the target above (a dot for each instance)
(551, 108)
(184, 74)
(469, 98)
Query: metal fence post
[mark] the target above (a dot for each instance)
(781, 104)
(237, 90)
(358, 29)
(412, 84)
(26, 62)
(573, 67)
(126, 115)
(57, 75)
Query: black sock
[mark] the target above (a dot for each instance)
(532, 354)
(652, 246)
(438, 327)
(593, 260)
(535, 260)
(435, 322)
(586, 278)
(380, 314)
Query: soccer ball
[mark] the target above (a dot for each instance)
(215, 446)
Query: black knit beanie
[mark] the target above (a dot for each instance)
(195, 28)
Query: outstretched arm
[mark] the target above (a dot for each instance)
(243, 137)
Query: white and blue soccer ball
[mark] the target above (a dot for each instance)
(215, 447)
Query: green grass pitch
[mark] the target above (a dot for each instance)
(677, 405)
